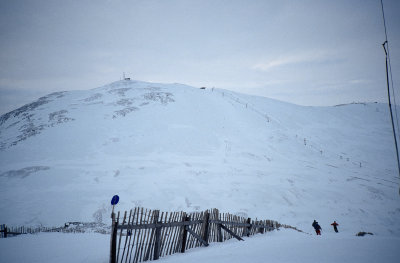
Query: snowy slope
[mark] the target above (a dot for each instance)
(175, 147)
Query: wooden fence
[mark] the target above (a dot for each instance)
(144, 234)
(70, 227)
(14, 231)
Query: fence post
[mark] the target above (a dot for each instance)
(152, 236)
(263, 227)
(113, 247)
(184, 234)
(248, 228)
(158, 236)
(264, 230)
(219, 230)
(206, 225)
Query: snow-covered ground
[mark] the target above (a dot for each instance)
(173, 147)
(289, 246)
(56, 247)
(277, 246)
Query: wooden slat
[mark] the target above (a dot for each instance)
(166, 235)
(171, 244)
(215, 217)
(139, 239)
(222, 216)
(130, 234)
(242, 231)
(180, 234)
(133, 236)
(175, 240)
(196, 230)
(163, 233)
(147, 242)
(126, 237)
(147, 233)
(149, 252)
(139, 216)
(120, 236)
(231, 228)
(169, 235)
(224, 234)
(184, 235)
(175, 243)
(219, 233)
(235, 228)
(200, 231)
(199, 228)
(157, 237)
(147, 248)
(227, 218)
(205, 230)
(213, 226)
(190, 239)
(143, 237)
(167, 245)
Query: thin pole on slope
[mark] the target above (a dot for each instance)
(391, 112)
(386, 44)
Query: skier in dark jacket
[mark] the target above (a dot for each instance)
(334, 224)
(317, 227)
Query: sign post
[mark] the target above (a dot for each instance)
(114, 201)
(113, 247)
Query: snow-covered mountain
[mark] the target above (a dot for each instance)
(176, 147)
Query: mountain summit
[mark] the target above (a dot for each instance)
(176, 147)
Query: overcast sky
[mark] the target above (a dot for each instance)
(304, 52)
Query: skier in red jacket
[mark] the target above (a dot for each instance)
(334, 224)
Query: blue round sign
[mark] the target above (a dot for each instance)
(115, 200)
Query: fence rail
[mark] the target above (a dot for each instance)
(144, 234)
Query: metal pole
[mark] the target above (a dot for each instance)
(391, 112)
(113, 245)
(388, 90)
